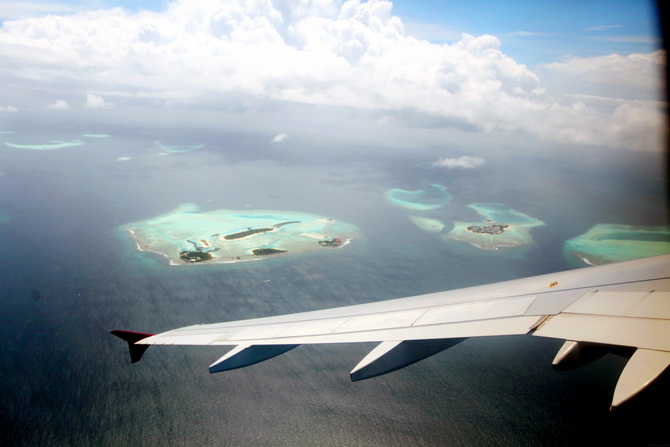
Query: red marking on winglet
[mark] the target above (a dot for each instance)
(132, 338)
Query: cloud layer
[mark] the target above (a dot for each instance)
(348, 54)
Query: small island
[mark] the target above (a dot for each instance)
(491, 233)
(188, 236)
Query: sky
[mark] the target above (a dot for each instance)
(558, 73)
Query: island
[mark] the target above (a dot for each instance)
(187, 235)
(607, 243)
(501, 227)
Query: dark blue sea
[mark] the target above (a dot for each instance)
(68, 276)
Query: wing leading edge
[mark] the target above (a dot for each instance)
(622, 308)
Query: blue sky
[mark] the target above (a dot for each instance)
(541, 31)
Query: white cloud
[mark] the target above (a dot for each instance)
(96, 102)
(280, 138)
(60, 104)
(10, 109)
(633, 70)
(602, 27)
(465, 162)
(612, 100)
(349, 54)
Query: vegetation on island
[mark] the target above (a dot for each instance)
(194, 256)
(488, 229)
(246, 233)
(286, 223)
(267, 251)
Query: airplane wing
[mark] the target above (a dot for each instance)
(622, 308)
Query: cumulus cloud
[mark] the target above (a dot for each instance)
(60, 104)
(347, 54)
(280, 138)
(465, 162)
(96, 102)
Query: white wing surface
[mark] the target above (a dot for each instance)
(622, 308)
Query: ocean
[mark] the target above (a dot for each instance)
(69, 275)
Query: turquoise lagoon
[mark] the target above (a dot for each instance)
(178, 148)
(606, 243)
(53, 145)
(237, 235)
(426, 199)
(427, 224)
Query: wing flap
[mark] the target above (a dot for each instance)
(645, 300)
(647, 333)
(551, 303)
(476, 310)
(386, 320)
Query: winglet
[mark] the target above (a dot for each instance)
(136, 351)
